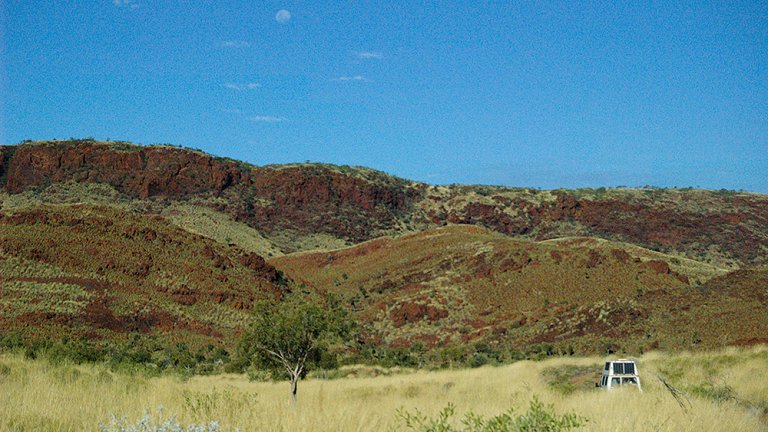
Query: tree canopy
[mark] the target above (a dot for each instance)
(290, 336)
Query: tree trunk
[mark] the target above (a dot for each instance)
(294, 388)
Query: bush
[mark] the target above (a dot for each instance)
(138, 354)
(147, 424)
(713, 392)
(479, 359)
(538, 418)
(568, 379)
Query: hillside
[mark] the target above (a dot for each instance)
(306, 206)
(104, 274)
(109, 240)
(302, 200)
(464, 284)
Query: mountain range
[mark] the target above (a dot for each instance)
(108, 240)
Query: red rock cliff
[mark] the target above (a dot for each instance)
(137, 171)
(359, 204)
(305, 198)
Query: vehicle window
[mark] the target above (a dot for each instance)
(629, 368)
(630, 381)
(615, 381)
(607, 365)
(618, 368)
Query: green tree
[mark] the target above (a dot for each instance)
(288, 337)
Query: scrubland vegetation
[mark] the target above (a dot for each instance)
(128, 289)
(721, 390)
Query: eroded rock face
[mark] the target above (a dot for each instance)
(358, 206)
(316, 199)
(257, 263)
(140, 171)
(405, 313)
(6, 152)
(305, 198)
(738, 228)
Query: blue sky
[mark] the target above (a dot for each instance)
(539, 94)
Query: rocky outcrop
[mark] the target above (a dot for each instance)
(405, 313)
(358, 204)
(739, 227)
(304, 198)
(315, 199)
(137, 171)
(5, 158)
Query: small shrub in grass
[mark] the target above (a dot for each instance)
(255, 374)
(148, 424)
(538, 418)
(568, 379)
(714, 392)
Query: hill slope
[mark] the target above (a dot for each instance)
(294, 204)
(97, 272)
(462, 284)
(106, 240)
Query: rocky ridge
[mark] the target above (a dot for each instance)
(356, 204)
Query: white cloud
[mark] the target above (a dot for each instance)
(235, 44)
(352, 78)
(241, 87)
(267, 119)
(127, 3)
(282, 16)
(369, 54)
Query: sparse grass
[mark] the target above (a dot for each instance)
(27, 297)
(68, 270)
(220, 227)
(585, 292)
(366, 173)
(697, 270)
(39, 396)
(291, 241)
(65, 193)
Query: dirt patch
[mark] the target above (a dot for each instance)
(405, 313)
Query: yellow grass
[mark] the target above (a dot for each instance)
(698, 271)
(37, 396)
(220, 227)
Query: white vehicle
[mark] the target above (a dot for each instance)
(620, 373)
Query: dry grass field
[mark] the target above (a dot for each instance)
(724, 388)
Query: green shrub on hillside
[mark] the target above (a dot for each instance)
(139, 354)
